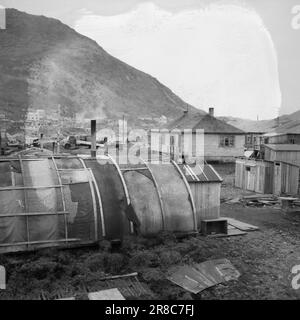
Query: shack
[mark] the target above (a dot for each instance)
(267, 177)
(205, 184)
(289, 153)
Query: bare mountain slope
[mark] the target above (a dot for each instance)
(273, 125)
(44, 63)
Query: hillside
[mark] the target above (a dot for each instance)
(45, 63)
(284, 121)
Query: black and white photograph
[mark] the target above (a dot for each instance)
(149, 153)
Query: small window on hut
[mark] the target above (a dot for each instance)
(227, 141)
(248, 168)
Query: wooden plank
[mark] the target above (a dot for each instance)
(36, 242)
(109, 294)
(241, 225)
(133, 169)
(32, 214)
(134, 274)
(29, 188)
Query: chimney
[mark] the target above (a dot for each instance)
(186, 111)
(93, 140)
(212, 112)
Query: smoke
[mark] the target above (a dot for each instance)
(219, 55)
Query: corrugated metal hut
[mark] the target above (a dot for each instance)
(161, 197)
(45, 202)
(289, 153)
(70, 201)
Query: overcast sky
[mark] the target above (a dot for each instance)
(239, 56)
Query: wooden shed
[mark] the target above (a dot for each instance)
(205, 184)
(289, 153)
(267, 177)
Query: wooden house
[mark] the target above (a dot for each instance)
(253, 140)
(207, 138)
(267, 177)
(288, 133)
(289, 153)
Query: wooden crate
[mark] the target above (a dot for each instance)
(214, 226)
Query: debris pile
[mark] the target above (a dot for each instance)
(201, 276)
(260, 200)
(256, 200)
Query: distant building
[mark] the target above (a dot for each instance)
(282, 138)
(35, 114)
(220, 142)
(253, 140)
(289, 153)
(285, 134)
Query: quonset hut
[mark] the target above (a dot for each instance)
(71, 201)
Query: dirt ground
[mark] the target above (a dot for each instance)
(264, 258)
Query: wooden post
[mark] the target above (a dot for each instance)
(93, 135)
(2, 142)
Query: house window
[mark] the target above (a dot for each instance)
(227, 141)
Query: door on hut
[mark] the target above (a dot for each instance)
(250, 171)
(277, 178)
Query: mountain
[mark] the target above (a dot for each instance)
(44, 63)
(282, 123)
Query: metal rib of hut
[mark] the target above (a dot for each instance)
(45, 202)
(112, 190)
(160, 197)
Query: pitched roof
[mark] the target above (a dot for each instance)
(200, 173)
(203, 121)
(292, 127)
(283, 147)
